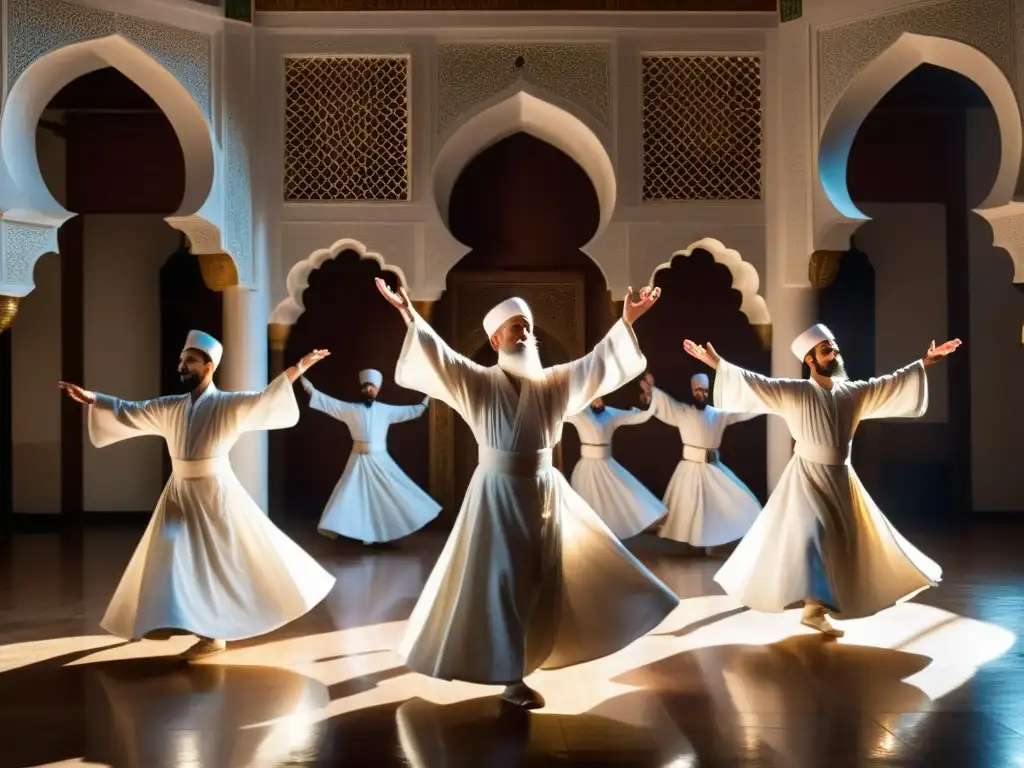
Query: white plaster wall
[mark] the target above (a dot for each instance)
(36, 358)
(640, 237)
(123, 255)
(906, 243)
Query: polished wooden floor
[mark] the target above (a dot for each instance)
(937, 682)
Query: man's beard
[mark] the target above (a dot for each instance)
(523, 362)
(834, 369)
(189, 380)
(597, 408)
(700, 405)
(368, 400)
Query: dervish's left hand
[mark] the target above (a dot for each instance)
(634, 310)
(943, 350)
(647, 389)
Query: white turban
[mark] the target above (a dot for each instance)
(809, 339)
(371, 376)
(504, 312)
(204, 342)
(700, 379)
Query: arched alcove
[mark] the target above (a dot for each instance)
(704, 306)
(342, 311)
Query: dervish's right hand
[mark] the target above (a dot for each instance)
(399, 300)
(706, 355)
(76, 393)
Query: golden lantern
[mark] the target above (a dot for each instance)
(823, 268)
(8, 310)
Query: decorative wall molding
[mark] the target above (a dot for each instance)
(22, 246)
(291, 308)
(37, 27)
(845, 49)
(1007, 224)
(513, 5)
(744, 276)
(468, 73)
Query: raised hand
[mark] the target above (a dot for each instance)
(76, 393)
(399, 301)
(706, 355)
(312, 359)
(634, 310)
(943, 350)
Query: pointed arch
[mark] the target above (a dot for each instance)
(45, 77)
(744, 277)
(527, 108)
(880, 76)
(290, 309)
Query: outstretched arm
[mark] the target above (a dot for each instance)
(903, 393)
(631, 417)
(112, 420)
(740, 390)
(428, 365)
(318, 401)
(275, 407)
(399, 413)
(613, 362)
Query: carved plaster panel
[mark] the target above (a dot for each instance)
(238, 203)
(846, 49)
(469, 73)
(37, 27)
(22, 247)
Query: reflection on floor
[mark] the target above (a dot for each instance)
(937, 682)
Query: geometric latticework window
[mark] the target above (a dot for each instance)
(347, 128)
(702, 128)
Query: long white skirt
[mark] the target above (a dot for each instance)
(376, 501)
(622, 501)
(707, 505)
(212, 564)
(822, 536)
(530, 578)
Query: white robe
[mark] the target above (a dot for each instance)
(530, 577)
(210, 562)
(374, 500)
(820, 534)
(622, 501)
(707, 504)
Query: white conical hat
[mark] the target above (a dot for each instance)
(504, 312)
(204, 342)
(371, 376)
(809, 339)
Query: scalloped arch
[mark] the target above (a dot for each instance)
(744, 277)
(882, 75)
(291, 308)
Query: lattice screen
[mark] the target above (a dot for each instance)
(702, 128)
(347, 128)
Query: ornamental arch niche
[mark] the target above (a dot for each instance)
(523, 108)
(30, 199)
(840, 216)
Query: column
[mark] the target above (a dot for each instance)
(244, 368)
(788, 185)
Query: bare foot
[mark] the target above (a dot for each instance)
(522, 695)
(202, 648)
(815, 618)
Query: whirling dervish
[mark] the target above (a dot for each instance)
(210, 564)
(708, 506)
(821, 538)
(622, 501)
(374, 501)
(530, 577)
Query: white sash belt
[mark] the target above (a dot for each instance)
(700, 455)
(194, 470)
(823, 454)
(595, 451)
(518, 464)
(358, 446)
